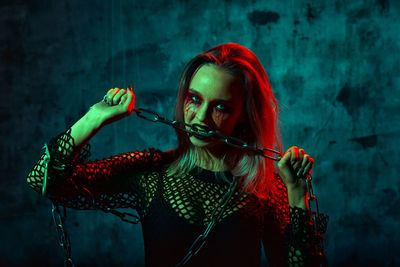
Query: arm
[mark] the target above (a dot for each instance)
(116, 181)
(119, 181)
(289, 238)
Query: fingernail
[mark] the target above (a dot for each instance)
(298, 173)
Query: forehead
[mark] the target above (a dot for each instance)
(211, 81)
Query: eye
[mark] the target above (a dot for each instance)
(194, 98)
(222, 108)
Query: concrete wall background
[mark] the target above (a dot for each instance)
(333, 66)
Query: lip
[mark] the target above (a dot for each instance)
(201, 137)
(202, 128)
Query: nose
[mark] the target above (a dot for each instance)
(202, 114)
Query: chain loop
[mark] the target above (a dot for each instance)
(46, 161)
(198, 244)
(237, 143)
(202, 238)
(122, 216)
(196, 129)
(63, 237)
(319, 221)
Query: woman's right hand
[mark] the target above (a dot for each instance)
(122, 105)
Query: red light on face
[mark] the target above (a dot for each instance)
(219, 116)
(187, 110)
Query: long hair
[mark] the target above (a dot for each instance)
(260, 127)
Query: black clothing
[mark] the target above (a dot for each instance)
(175, 210)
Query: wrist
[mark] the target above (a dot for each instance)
(93, 120)
(297, 198)
(85, 128)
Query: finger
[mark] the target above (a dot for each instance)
(304, 163)
(111, 92)
(299, 160)
(307, 169)
(130, 100)
(285, 157)
(110, 95)
(312, 165)
(129, 97)
(295, 154)
(117, 96)
(301, 153)
(107, 96)
(115, 91)
(123, 99)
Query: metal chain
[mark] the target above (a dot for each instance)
(235, 142)
(122, 215)
(319, 221)
(63, 237)
(200, 241)
(205, 132)
(202, 238)
(59, 220)
(46, 161)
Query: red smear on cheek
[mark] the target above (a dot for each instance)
(189, 108)
(219, 116)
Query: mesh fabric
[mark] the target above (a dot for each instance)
(130, 180)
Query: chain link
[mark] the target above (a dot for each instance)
(202, 238)
(46, 161)
(198, 244)
(318, 220)
(63, 237)
(123, 216)
(206, 132)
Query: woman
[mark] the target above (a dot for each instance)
(204, 203)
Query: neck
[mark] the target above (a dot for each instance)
(212, 159)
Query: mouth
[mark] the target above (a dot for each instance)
(203, 138)
(202, 129)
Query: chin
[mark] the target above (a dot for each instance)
(202, 143)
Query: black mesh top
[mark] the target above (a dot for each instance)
(175, 210)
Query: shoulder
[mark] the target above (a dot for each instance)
(161, 158)
(277, 204)
(278, 193)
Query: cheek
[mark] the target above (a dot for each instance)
(220, 117)
(189, 108)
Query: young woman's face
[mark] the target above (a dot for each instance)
(213, 100)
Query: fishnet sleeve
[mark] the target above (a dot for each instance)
(289, 238)
(119, 181)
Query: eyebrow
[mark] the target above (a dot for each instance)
(219, 99)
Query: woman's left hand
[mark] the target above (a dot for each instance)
(293, 167)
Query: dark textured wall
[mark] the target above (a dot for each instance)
(333, 65)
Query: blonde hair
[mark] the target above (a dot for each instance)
(260, 128)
